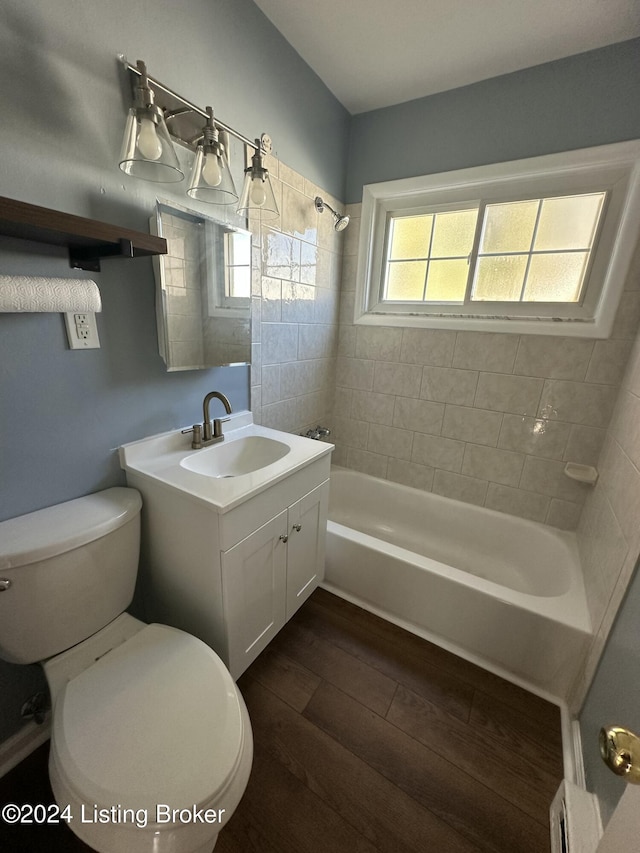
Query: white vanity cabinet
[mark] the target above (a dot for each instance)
(231, 574)
(270, 573)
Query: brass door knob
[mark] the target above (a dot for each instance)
(620, 751)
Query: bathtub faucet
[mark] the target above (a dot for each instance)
(317, 433)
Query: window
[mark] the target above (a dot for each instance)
(228, 270)
(538, 246)
(237, 265)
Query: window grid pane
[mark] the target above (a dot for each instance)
(562, 238)
(406, 281)
(428, 256)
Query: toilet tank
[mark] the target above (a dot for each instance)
(66, 571)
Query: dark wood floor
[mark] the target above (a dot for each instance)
(369, 739)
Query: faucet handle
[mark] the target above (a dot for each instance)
(217, 426)
(196, 429)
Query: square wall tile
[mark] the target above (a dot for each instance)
(378, 343)
(603, 550)
(488, 463)
(584, 444)
(517, 502)
(428, 346)
(418, 415)
(355, 373)
(390, 441)
(350, 432)
(317, 341)
(368, 463)
(501, 393)
(437, 452)
(460, 488)
(271, 303)
(495, 353)
(401, 379)
(372, 407)
(347, 341)
(298, 215)
(534, 436)
(410, 474)
(449, 385)
(563, 514)
(270, 383)
(608, 361)
(279, 342)
(553, 357)
(297, 302)
(476, 425)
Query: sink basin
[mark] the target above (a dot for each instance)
(235, 458)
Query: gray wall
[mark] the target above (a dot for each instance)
(64, 101)
(588, 99)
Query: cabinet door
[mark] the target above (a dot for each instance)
(253, 589)
(307, 534)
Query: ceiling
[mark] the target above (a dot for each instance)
(374, 53)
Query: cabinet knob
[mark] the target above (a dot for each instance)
(297, 527)
(284, 537)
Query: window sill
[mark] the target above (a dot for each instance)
(517, 326)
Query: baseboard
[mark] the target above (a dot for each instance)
(17, 747)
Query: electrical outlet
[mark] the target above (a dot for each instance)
(82, 331)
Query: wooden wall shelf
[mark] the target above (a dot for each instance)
(88, 240)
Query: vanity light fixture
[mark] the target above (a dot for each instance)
(211, 179)
(159, 115)
(147, 151)
(257, 192)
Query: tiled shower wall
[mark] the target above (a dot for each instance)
(490, 419)
(296, 292)
(609, 529)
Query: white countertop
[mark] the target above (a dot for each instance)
(158, 458)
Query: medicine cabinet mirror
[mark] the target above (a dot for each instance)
(203, 289)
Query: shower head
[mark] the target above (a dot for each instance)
(340, 223)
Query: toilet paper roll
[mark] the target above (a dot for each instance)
(20, 293)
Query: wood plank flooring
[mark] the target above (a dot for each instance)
(368, 739)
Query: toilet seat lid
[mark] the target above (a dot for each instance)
(156, 720)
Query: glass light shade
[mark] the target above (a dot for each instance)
(257, 195)
(147, 151)
(208, 183)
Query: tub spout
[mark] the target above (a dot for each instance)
(317, 433)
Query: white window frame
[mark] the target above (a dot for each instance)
(613, 168)
(220, 304)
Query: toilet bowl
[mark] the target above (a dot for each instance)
(151, 743)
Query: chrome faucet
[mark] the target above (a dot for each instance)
(209, 432)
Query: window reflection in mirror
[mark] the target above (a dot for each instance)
(203, 290)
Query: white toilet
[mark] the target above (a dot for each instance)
(151, 742)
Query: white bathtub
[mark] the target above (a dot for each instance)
(499, 590)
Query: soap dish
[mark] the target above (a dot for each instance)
(582, 473)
